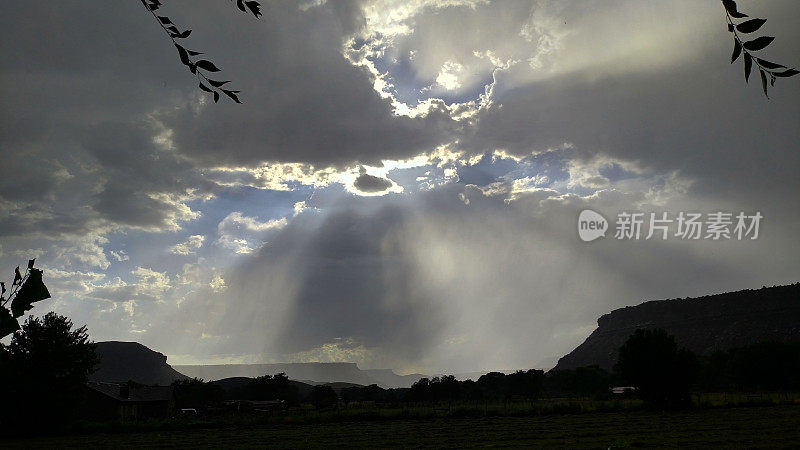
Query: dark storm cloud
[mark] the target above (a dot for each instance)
(89, 85)
(79, 81)
(304, 102)
(370, 183)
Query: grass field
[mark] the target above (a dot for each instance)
(740, 427)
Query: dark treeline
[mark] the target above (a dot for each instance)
(521, 385)
(766, 366)
(763, 367)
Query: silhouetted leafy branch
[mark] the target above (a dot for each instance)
(740, 47)
(25, 290)
(199, 67)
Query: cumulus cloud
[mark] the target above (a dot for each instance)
(243, 234)
(120, 256)
(188, 247)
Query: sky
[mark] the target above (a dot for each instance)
(401, 186)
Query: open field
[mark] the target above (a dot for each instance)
(767, 426)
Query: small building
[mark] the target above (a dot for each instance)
(621, 390)
(127, 401)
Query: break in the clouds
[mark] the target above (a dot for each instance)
(400, 186)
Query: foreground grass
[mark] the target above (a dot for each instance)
(750, 427)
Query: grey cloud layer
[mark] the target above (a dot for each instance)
(102, 130)
(442, 284)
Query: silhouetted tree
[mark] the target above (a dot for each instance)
(493, 386)
(420, 391)
(195, 393)
(271, 387)
(43, 371)
(25, 291)
(525, 384)
(651, 360)
(323, 396)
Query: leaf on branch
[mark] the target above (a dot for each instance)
(205, 88)
(194, 53)
(8, 324)
(216, 83)
(207, 65)
(32, 291)
(184, 55)
(152, 5)
(786, 73)
(764, 82)
(232, 95)
(769, 65)
(737, 50)
(17, 276)
(30, 263)
(748, 64)
(164, 19)
(183, 35)
(730, 28)
(240, 5)
(173, 29)
(254, 7)
(730, 6)
(750, 26)
(758, 43)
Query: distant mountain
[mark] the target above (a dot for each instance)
(703, 325)
(123, 361)
(312, 373)
(388, 379)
